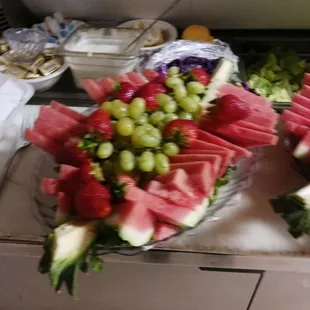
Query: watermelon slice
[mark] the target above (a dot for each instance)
(296, 129)
(43, 143)
(106, 84)
(200, 173)
(64, 208)
(50, 186)
(244, 137)
(94, 91)
(262, 120)
(305, 91)
(302, 150)
(247, 124)
(302, 100)
(164, 231)
(216, 152)
(208, 137)
(136, 223)
(201, 145)
(69, 175)
(179, 179)
(150, 74)
(166, 191)
(243, 123)
(226, 157)
(306, 79)
(293, 117)
(165, 211)
(242, 94)
(136, 78)
(56, 134)
(66, 111)
(214, 160)
(57, 119)
(300, 110)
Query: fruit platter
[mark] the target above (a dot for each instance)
(158, 154)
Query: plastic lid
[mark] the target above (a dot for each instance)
(88, 41)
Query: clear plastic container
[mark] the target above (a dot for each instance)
(93, 52)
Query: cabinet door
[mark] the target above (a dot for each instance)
(126, 286)
(283, 291)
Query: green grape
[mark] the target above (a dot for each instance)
(170, 117)
(171, 82)
(171, 149)
(170, 107)
(143, 119)
(195, 88)
(185, 115)
(161, 163)
(162, 99)
(136, 108)
(156, 133)
(107, 106)
(179, 92)
(157, 117)
(146, 161)
(173, 71)
(139, 131)
(151, 136)
(148, 127)
(127, 160)
(105, 150)
(125, 126)
(119, 109)
(197, 113)
(149, 141)
(136, 141)
(189, 105)
(196, 98)
(161, 125)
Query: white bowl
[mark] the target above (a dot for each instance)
(47, 82)
(170, 32)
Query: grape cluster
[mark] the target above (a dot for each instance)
(147, 150)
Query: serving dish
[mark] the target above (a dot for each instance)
(168, 31)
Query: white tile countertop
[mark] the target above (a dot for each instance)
(247, 226)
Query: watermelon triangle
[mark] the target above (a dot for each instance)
(302, 100)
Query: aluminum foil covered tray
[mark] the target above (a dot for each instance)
(181, 49)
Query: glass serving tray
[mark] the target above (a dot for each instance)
(240, 179)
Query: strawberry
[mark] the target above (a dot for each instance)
(180, 131)
(148, 93)
(156, 88)
(124, 91)
(99, 122)
(200, 76)
(77, 154)
(92, 201)
(90, 171)
(230, 108)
